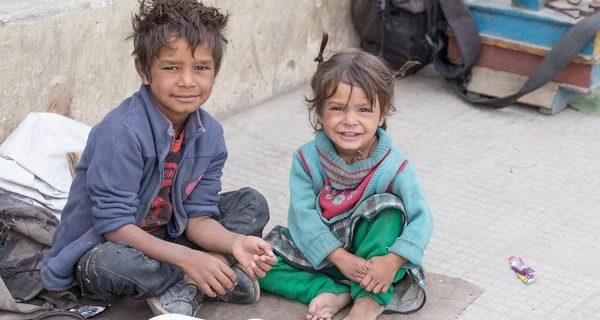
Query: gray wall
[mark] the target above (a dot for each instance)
(70, 56)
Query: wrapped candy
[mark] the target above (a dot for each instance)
(525, 273)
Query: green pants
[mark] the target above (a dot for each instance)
(370, 239)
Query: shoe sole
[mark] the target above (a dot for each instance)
(257, 288)
(158, 309)
(156, 306)
(255, 283)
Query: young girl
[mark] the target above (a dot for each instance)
(358, 219)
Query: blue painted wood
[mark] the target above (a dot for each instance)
(595, 77)
(561, 99)
(528, 4)
(542, 28)
(529, 23)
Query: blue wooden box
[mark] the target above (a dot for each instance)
(515, 38)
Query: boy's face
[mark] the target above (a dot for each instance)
(180, 82)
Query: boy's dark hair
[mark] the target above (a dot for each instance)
(358, 69)
(158, 21)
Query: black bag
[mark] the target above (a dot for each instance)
(409, 34)
(395, 30)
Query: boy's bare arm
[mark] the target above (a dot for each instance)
(211, 235)
(210, 274)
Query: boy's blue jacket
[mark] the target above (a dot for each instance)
(120, 173)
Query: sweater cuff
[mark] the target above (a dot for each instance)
(409, 251)
(320, 248)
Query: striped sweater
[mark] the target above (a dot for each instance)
(317, 170)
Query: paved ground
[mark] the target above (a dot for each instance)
(500, 183)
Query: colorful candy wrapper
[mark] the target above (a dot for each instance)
(525, 273)
(90, 311)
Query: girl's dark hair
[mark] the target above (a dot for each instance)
(358, 69)
(158, 21)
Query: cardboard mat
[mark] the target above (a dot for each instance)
(446, 299)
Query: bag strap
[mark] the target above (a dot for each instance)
(558, 58)
(463, 26)
(381, 8)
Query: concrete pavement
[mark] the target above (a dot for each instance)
(500, 183)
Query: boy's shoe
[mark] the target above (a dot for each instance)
(246, 291)
(180, 299)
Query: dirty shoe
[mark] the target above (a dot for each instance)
(180, 299)
(246, 291)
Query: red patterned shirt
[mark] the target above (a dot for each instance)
(161, 209)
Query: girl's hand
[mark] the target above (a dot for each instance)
(382, 271)
(353, 267)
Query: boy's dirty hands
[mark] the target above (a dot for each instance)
(254, 254)
(382, 270)
(353, 267)
(210, 274)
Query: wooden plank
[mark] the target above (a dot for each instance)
(527, 48)
(596, 52)
(530, 49)
(520, 62)
(497, 83)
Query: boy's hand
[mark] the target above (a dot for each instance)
(209, 273)
(382, 271)
(254, 254)
(353, 267)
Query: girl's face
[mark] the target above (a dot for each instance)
(350, 122)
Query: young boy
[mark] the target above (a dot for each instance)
(144, 218)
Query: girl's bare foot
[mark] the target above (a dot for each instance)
(326, 305)
(365, 308)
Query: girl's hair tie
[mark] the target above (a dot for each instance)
(324, 39)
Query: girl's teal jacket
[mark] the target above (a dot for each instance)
(395, 174)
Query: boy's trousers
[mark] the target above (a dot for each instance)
(370, 239)
(111, 270)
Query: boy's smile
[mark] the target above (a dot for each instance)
(179, 81)
(350, 122)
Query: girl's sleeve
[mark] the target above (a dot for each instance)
(419, 227)
(310, 233)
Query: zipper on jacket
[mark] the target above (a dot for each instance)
(181, 161)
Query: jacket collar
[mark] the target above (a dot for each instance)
(162, 127)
